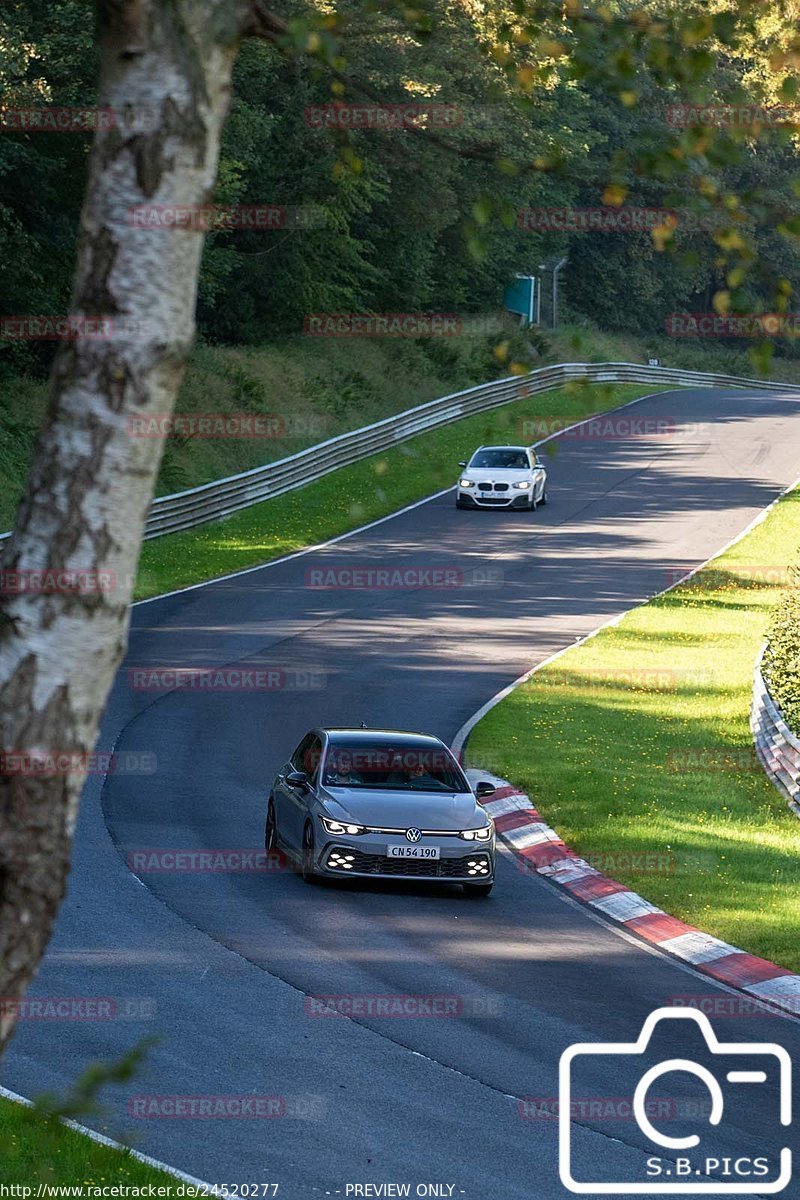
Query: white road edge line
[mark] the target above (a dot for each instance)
(102, 1140)
(274, 562)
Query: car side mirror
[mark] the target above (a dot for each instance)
(462, 464)
(484, 789)
(298, 779)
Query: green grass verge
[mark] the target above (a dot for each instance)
(36, 1150)
(638, 743)
(354, 495)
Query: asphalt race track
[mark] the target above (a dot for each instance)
(227, 961)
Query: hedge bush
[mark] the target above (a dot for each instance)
(783, 657)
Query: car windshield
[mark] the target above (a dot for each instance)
(417, 767)
(508, 459)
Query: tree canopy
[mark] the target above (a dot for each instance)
(553, 106)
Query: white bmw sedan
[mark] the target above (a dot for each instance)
(502, 477)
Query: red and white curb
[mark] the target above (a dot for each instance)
(540, 849)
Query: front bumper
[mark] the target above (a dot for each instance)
(515, 499)
(365, 857)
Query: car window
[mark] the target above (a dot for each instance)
(313, 755)
(402, 767)
(298, 759)
(509, 460)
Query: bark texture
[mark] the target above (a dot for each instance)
(166, 76)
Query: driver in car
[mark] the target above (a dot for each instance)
(419, 777)
(343, 775)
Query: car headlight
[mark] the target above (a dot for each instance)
(342, 826)
(522, 484)
(477, 835)
(465, 483)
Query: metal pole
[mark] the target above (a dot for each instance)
(556, 269)
(539, 294)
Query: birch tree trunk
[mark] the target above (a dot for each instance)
(166, 77)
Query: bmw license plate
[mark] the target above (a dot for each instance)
(412, 851)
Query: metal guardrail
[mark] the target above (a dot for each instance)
(211, 501)
(777, 746)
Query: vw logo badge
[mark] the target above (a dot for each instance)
(413, 835)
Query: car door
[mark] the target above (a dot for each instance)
(539, 477)
(306, 758)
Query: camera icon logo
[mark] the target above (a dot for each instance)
(702, 1173)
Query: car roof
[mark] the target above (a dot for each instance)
(394, 736)
(519, 449)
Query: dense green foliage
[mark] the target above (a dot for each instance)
(553, 110)
(560, 104)
(783, 656)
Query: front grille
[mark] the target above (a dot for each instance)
(501, 487)
(380, 864)
(493, 500)
(485, 487)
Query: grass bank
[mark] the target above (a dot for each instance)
(311, 389)
(638, 743)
